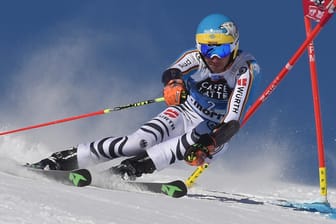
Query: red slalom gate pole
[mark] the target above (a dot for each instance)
(313, 12)
(317, 113)
(100, 112)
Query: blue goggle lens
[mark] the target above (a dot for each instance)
(220, 51)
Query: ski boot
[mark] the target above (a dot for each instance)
(130, 169)
(63, 160)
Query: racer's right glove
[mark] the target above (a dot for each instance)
(174, 92)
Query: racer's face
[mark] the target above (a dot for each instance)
(216, 64)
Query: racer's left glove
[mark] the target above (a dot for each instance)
(204, 148)
(174, 92)
(196, 154)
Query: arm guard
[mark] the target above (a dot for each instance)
(169, 74)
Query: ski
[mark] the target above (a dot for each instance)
(175, 189)
(78, 177)
(82, 178)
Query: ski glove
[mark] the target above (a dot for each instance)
(196, 154)
(174, 92)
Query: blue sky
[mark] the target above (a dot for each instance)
(63, 58)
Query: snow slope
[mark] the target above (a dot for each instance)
(26, 200)
(26, 197)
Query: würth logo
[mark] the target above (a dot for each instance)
(242, 82)
(171, 113)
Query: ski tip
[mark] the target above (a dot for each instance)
(174, 189)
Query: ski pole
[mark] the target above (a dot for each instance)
(268, 91)
(198, 171)
(100, 112)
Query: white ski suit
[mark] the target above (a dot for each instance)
(212, 99)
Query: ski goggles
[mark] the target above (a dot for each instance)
(210, 51)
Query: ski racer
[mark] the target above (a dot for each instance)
(207, 91)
